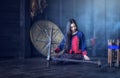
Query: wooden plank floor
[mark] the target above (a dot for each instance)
(36, 68)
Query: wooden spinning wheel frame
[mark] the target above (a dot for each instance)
(45, 37)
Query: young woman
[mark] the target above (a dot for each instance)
(73, 43)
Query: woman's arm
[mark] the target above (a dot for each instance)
(61, 46)
(83, 45)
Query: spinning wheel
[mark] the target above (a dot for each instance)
(45, 37)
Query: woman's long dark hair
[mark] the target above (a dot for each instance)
(69, 33)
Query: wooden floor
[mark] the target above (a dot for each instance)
(36, 68)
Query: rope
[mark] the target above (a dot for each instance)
(114, 47)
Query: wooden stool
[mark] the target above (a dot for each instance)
(113, 52)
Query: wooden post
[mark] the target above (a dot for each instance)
(118, 53)
(110, 54)
(49, 50)
(22, 29)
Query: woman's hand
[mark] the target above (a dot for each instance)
(57, 50)
(86, 57)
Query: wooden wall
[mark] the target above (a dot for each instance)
(14, 29)
(99, 19)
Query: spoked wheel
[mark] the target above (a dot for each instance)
(45, 37)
